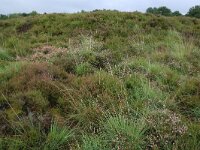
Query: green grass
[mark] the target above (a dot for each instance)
(57, 137)
(125, 133)
(92, 142)
(5, 56)
(108, 80)
(34, 138)
(9, 69)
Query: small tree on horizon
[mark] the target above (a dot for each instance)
(176, 13)
(164, 11)
(33, 13)
(152, 10)
(160, 11)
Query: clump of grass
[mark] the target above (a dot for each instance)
(5, 56)
(57, 137)
(179, 49)
(142, 91)
(9, 70)
(166, 77)
(94, 95)
(84, 69)
(124, 133)
(93, 142)
(17, 46)
(11, 144)
(35, 138)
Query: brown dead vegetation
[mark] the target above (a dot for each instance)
(44, 53)
(24, 27)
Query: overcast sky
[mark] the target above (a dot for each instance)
(49, 6)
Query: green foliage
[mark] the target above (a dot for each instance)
(163, 11)
(35, 138)
(152, 10)
(3, 17)
(92, 143)
(176, 13)
(34, 100)
(124, 133)
(17, 15)
(140, 89)
(5, 56)
(194, 11)
(109, 80)
(57, 137)
(8, 70)
(188, 97)
(11, 144)
(84, 69)
(160, 11)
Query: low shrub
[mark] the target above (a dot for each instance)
(84, 69)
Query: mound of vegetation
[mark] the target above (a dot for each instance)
(100, 80)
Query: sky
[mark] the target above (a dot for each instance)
(69, 6)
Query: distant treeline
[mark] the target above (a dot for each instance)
(14, 15)
(193, 12)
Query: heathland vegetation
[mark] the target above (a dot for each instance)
(100, 80)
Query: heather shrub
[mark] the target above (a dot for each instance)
(165, 127)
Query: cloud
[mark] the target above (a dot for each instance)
(14, 6)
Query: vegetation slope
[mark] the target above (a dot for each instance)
(100, 80)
